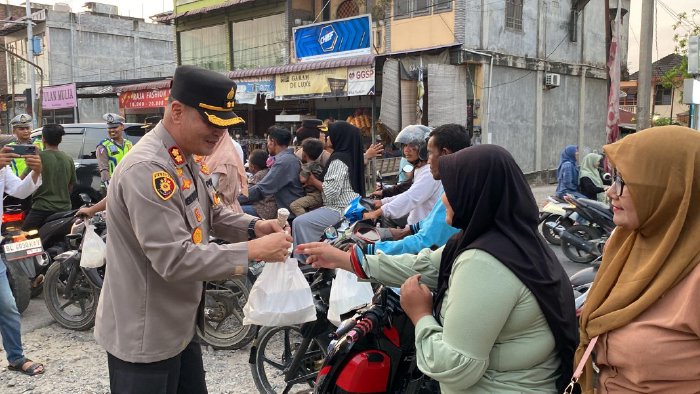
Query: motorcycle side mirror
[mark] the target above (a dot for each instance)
(85, 198)
(330, 233)
(407, 168)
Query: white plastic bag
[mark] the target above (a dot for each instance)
(280, 296)
(347, 293)
(94, 248)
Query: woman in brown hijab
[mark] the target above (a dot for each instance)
(644, 302)
(226, 169)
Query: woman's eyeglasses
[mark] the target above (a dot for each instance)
(618, 185)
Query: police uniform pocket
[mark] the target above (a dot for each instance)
(195, 216)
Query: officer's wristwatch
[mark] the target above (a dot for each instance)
(251, 228)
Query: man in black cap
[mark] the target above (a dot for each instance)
(161, 210)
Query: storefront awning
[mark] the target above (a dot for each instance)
(203, 10)
(155, 85)
(364, 60)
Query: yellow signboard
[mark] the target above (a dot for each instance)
(331, 82)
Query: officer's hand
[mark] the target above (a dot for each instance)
(265, 227)
(6, 156)
(33, 162)
(85, 212)
(270, 248)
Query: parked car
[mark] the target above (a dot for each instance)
(80, 143)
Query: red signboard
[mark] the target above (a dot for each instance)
(157, 98)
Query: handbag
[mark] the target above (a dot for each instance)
(579, 368)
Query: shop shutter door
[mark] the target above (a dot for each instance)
(447, 94)
(391, 106)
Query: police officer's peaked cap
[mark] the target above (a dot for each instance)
(113, 120)
(21, 120)
(314, 123)
(209, 92)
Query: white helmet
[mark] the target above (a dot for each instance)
(417, 136)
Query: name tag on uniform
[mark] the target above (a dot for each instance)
(112, 149)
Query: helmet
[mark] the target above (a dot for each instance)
(415, 135)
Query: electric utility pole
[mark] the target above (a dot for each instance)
(644, 82)
(30, 57)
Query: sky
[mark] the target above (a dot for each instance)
(663, 37)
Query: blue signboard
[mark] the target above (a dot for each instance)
(342, 37)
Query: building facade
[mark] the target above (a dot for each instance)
(96, 50)
(530, 76)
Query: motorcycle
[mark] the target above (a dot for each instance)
(52, 238)
(23, 255)
(72, 291)
(553, 212)
(372, 350)
(223, 310)
(584, 243)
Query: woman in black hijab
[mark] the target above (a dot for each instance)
(346, 141)
(342, 181)
(503, 318)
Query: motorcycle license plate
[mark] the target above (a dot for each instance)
(23, 249)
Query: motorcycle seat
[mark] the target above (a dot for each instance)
(60, 215)
(602, 208)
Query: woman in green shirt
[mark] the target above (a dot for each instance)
(502, 318)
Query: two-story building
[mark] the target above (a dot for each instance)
(530, 76)
(83, 56)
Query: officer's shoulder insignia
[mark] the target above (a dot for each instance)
(198, 159)
(198, 215)
(101, 149)
(197, 235)
(180, 173)
(176, 155)
(204, 169)
(186, 184)
(216, 199)
(164, 185)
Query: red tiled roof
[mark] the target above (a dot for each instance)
(662, 66)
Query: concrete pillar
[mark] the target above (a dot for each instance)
(581, 108)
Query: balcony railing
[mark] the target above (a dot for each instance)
(629, 108)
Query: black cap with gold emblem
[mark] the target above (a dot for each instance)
(207, 91)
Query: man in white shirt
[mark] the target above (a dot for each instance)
(419, 199)
(9, 315)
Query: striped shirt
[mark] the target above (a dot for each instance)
(337, 190)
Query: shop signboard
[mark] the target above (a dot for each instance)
(338, 38)
(361, 81)
(60, 96)
(331, 82)
(247, 91)
(156, 98)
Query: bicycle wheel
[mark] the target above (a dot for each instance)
(276, 349)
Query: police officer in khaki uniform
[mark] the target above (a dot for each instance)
(110, 151)
(162, 209)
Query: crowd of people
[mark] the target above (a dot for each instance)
(492, 307)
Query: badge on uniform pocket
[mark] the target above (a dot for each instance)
(197, 235)
(164, 185)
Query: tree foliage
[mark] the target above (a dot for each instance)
(688, 24)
